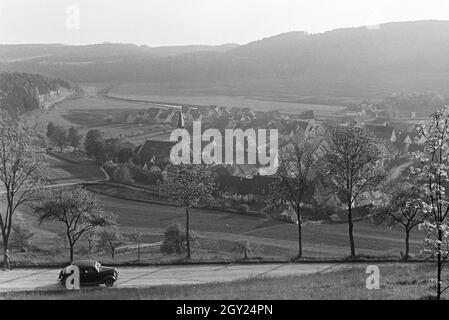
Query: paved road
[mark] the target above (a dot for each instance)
(45, 279)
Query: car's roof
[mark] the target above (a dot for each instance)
(84, 263)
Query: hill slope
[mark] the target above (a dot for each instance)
(358, 62)
(21, 92)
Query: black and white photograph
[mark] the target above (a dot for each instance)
(205, 152)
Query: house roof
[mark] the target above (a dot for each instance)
(127, 144)
(257, 185)
(416, 147)
(381, 132)
(294, 126)
(155, 148)
(308, 114)
(402, 126)
(195, 113)
(205, 112)
(152, 112)
(164, 114)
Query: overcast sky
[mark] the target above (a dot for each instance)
(181, 22)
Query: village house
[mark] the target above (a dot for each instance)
(245, 190)
(131, 118)
(151, 114)
(168, 115)
(408, 143)
(293, 129)
(315, 128)
(383, 133)
(223, 111)
(154, 152)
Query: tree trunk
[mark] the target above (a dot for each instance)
(187, 233)
(298, 214)
(439, 262)
(71, 251)
(6, 259)
(351, 228)
(407, 244)
(138, 252)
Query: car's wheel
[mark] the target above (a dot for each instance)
(109, 282)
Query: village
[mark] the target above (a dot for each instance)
(247, 185)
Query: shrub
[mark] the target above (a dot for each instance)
(21, 236)
(110, 167)
(142, 176)
(151, 176)
(226, 203)
(122, 174)
(244, 208)
(155, 175)
(124, 155)
(133, 169)
(175, 241)
(243, 247)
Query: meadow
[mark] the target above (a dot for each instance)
(183, 94)
(218, 231)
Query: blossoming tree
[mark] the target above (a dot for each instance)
(433, 170)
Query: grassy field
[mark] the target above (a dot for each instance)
(218, 231)
(397, 282)
(97, 103)
(216, 96)
(64, 172)
(323, 240)
(98, 117)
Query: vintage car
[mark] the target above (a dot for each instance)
(92, 273)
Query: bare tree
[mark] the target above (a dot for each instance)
(186, 185)
(110, 238)
(22, 168)
(136, 237)
(404, 208)
(91, 237)
(296, 177)
(351, 166)
(77, 210)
